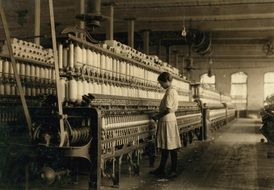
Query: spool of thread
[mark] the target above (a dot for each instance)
(27, 70)
(124, 69)
(102, 64)
(80, 90)
(11, 72)
(98, 62)
(53, 75)
(90, 59)
(113, 69)
(85, 87)
(72, 90)
(84, 56)
(71, 56)
(1, 67)
(32, 71)
(118, 68)
(38, 90)
(33, 91)
(2, 89)
(7, 89)
(62, 86)
(23, 89)
(94, 61)
(42, 73)
(107, 91)
(23, 70)
(91, 87)
(50, 74)
(78, 57)
(65, 57)
(108, 65)
(18, 68)
(111, 89)
(47, 74)
(6, 68)
(66, 90)
(60, 56)
(44, 90)
(99, 90)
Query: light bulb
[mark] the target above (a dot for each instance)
(210, 62)
(183, 32)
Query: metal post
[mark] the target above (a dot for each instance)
(168, 54)
(82, 11)
(96, 151)
(109, 31)
(176, 52)
(63, 134)
(146, 41)
(17, 78)
(205, 124)
(130, 27)
(37, 21)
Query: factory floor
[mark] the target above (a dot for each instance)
(233, 158)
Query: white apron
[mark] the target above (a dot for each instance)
(167, 129)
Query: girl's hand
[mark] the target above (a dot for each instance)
(154, 117)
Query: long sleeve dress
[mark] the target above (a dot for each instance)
(168, 136)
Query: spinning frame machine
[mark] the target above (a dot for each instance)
(217, 108)
(113, 127)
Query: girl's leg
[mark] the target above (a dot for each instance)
(164, 158)
(161, 169)
(173, 154)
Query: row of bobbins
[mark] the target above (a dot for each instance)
(35, 79)
(29, 51)
(8, 115)
(76, 58)
(72, 90)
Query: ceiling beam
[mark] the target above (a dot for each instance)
(185, 3)
(203, 18)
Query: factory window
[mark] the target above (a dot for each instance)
(209, 81)
(239, 90)
(268, 84)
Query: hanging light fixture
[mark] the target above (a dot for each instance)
(183, 33)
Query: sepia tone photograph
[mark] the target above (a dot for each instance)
(136, 94)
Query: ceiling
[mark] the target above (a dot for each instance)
(229, 21)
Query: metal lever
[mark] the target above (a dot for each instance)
(63, 133)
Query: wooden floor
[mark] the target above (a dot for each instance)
(234, 158)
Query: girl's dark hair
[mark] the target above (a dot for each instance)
(164, 77)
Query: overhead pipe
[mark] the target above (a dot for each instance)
(93, 16)
(201, 42)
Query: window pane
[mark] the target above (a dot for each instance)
(239, 77)
(239, 90)
(208, 81)
(269, 77)
(268, 89)
(268, 84)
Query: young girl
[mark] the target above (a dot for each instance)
(168, 138)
